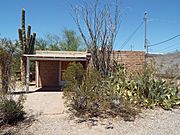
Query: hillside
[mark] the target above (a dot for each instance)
(167, 64)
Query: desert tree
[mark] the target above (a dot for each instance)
(53, 41)
(41, 44)
(70, 42)
(8, 52)
(98, 26)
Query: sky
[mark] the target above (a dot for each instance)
(53, 16)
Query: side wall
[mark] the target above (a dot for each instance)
(132, 60)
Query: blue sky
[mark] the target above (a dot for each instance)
(52, 16)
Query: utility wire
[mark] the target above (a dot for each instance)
(170, 46)
(164, 41)
(129, 38)
(165, 21)
(173, 49)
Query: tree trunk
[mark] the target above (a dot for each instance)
(5, 79)
(5, 76)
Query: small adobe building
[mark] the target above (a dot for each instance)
(50, 66)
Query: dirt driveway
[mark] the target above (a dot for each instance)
(46, 103)
(51, 118)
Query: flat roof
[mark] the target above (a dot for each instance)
(59, 55)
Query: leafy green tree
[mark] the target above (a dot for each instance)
(41, 44)
(71, 42)
(53, 42)
(54, 47)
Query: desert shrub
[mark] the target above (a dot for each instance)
(8, 63)
(73, 76)
(94, 96)
(145, 89)
(11, 111)
(119, 94)
(156, 91)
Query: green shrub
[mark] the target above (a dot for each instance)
(145, 89)
(120, 94)
(93, 96)
(11, 111)
(73, 76)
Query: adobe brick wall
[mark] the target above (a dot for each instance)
(132, 60)
(49, 70)
(48, 73)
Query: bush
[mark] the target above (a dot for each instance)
(119, 94)
(73, 76)
(11, 111)
(145, 89)
(92, 96)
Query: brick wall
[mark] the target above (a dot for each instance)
(132, 60)
(49, 70)
(48, 73)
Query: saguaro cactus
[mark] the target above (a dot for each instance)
(27, 43)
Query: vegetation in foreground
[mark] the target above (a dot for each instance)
(88, 94)
(11, 110)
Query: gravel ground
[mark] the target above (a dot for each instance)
(151, 122)
(51, 118)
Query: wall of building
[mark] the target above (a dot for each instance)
(48, 73)
(49, 70)
(132, 60)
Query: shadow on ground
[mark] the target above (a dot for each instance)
(43, 89)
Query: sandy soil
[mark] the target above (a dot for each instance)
(51, 118)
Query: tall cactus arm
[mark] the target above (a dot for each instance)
(20, 38)
(32, 43)
(23, 29)
(28, 36)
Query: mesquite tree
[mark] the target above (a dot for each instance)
(98, 26)
(27, 42)
(8, 50)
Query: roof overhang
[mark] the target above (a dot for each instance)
(59, 55)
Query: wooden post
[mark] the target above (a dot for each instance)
(27, 74)
(59, 73)
(37, 73)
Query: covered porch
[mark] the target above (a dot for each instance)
(50, 65)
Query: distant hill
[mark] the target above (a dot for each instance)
(167, 64)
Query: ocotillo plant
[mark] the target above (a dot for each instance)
(27, 44)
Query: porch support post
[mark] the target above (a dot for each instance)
(37, 73)
(27, 74)
(59, 73)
